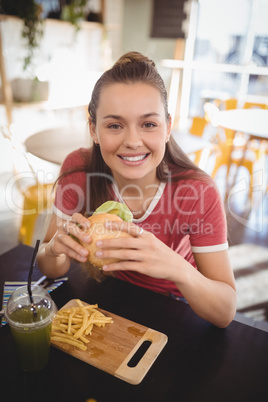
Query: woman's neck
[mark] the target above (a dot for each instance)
(138, 196)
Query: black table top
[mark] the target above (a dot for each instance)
(199, 363)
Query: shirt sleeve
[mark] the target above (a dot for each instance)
(207, 224)
(71, 187)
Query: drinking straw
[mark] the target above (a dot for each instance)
(30, 276)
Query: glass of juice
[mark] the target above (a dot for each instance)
(31, 328)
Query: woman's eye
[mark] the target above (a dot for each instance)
(149, 125)
(114, 126)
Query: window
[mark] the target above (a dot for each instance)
(226, 54)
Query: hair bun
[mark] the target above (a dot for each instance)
(134, 57)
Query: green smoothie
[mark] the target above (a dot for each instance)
(31, 337)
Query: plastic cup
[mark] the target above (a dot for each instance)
(31, 332)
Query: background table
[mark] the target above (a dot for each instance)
(199, 363)
(54, 144)
(249, 121)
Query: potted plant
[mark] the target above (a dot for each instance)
(31, 14)
(30, 89)
(74, 11)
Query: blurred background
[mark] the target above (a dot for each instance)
(213, 57)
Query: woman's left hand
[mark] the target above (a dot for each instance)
(142, 253)
(210, 292)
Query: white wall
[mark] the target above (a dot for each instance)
(136, 35)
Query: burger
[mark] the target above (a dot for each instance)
(109, 211)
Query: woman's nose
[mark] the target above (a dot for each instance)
(132, 138)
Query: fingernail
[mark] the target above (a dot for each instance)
(105, 267)
(86, 238)
(84, 252)
(99, 243)
(99, 253)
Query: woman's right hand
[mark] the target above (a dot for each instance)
(63, 241)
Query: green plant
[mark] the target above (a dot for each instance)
(30, 12)
(74, 11)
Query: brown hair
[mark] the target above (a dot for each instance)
(133, 67)
(130, 68)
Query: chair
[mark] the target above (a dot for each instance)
(255, 145)
(198, 126)
(232, 149)
(227, 155)
(201, 156)
(249, 105)
(227, 104)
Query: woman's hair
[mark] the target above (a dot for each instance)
(131, 68)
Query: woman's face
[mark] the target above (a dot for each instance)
(132, 130)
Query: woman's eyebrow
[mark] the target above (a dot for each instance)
(150, 114)
(112, 116)
(118, 117)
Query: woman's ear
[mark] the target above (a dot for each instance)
(92, 130)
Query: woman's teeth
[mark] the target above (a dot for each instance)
(133, 158)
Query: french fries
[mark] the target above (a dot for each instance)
(72, 325)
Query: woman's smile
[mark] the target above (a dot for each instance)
(134, 159)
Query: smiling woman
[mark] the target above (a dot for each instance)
(135, 160)
(133, 143)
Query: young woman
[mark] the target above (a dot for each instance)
(179, 245)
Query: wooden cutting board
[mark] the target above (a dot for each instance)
(119, 347)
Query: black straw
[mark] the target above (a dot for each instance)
(30, 276)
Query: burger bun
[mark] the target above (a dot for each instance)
(98, 231)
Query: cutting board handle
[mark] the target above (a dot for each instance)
(154, 342)
(139, 353)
